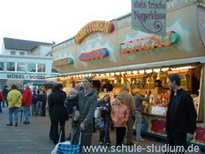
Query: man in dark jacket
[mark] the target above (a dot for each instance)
(181, 114)
(5, 92)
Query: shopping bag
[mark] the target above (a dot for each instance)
(97, 113)
(99, 123)
(66, 147)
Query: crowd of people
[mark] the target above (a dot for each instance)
(19, 99)
(81, 103)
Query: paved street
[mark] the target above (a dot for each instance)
(33, 138)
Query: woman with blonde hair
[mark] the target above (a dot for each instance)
(119, 115)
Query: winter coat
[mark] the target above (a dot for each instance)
(128, 100)
(87, 105)
(120, 115)
(27, 97)
(14, 98)
(70, 103)
(34, 98)
(57, 109)
(1, 96)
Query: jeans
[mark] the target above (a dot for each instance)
(104, 133)
(14, 111)
(138, 125)
(34, 109)
(26, 111)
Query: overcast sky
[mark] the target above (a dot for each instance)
(54, 20)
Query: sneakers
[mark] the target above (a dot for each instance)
(26, 123)
(140, 139)
(101, 143)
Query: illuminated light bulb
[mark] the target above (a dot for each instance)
(165, 69)
(149, 71)
(156, 70)
(141, 71)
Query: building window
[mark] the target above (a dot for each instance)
(10, 66)
(1, 66)
(54, 70)
(22, 53)
(21, 67)
(31, 67)
(13, 52)
(41, 68)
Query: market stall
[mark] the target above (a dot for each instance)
(114, 54)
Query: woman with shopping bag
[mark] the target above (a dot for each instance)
(86, 103)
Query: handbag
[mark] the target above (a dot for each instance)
(99, 123)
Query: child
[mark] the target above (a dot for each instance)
(71, 104)
(119, 115)
(105, 107)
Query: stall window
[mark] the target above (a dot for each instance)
(1, 66)
(41, 68)
(10, 66)
(31, 67)
(21, 67)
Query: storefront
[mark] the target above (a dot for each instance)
(113, 52)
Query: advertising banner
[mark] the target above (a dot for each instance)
(149, 16)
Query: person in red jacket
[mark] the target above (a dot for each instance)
(26, 103)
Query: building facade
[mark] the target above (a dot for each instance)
(24, 61)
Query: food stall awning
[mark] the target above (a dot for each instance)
(144, 65)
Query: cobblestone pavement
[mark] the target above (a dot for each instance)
(33, 138)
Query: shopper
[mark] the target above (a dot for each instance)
(57, 112)
(14, 101)
(181, 114)
(34, 103)
(138, 98)
(26, 103)
(105, 107)
(128, 100)
(5, 92)
(120, 116)
(1, 100)
(87, 100)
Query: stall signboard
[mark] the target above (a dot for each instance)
(149, 16)
(63, 62)
(148, 43)
(94, 26)
(93, 55)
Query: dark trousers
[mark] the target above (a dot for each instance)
(120, 134)
(176, 139)
(104, 133)
(55, 133)
(43, 113)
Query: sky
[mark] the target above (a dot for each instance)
(54, 20)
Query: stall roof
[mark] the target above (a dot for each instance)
(144, 66)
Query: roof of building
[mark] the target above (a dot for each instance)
(17, 44)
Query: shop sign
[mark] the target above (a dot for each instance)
(148, 43)
(94, 54)
(149, 16)
(24, 76)
(94, 26)
(63, 62)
